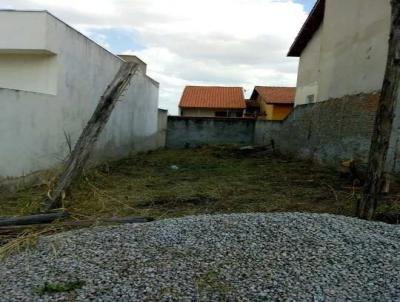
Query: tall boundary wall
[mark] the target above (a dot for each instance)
(49, 89)
(189, 132)
(162, 128)
(327, 133)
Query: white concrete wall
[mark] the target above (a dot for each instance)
(31, 72)
(354, 47)
(309, 71)
(353, 50)
(24, 31)
(33, 125)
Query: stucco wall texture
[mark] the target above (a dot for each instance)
(189, 132)
(34, 125)
(348, 54)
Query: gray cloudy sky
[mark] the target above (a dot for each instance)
(208, 42)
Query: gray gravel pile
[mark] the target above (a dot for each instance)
(240, 257)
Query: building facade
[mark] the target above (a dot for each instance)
(275, 103)
(343, 49)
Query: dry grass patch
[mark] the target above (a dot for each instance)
(173, 183)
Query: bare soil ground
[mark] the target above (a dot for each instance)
(173, 183)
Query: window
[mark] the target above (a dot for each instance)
(310, 99)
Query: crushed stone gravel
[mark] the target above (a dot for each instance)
(238, 257)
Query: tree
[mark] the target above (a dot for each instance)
(383, 122)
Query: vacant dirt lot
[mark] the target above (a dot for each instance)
(171, 183)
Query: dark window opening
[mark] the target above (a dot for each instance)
(221, 114)
(229, 113)
(310, 99)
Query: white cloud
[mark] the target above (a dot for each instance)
(94, 7)
(224, 42)
(99, 38)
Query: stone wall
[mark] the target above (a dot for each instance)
(187, 132)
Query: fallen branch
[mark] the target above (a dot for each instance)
(32, 219)
(8, 228)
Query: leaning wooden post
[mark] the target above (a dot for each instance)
(383, 122)
(90, 134)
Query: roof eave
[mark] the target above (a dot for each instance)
(309, 28)
(254, 94)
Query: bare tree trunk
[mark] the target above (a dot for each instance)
(90, 134)
(383, 122)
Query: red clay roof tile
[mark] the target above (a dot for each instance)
(276, 95)
(213, 97)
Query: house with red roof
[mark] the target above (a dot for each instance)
(275, 103)
(212, 101)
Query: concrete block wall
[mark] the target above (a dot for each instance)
(188, 132)
(162, 128)
(327, 132)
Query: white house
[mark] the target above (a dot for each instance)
(343, 49)
(51, 79)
